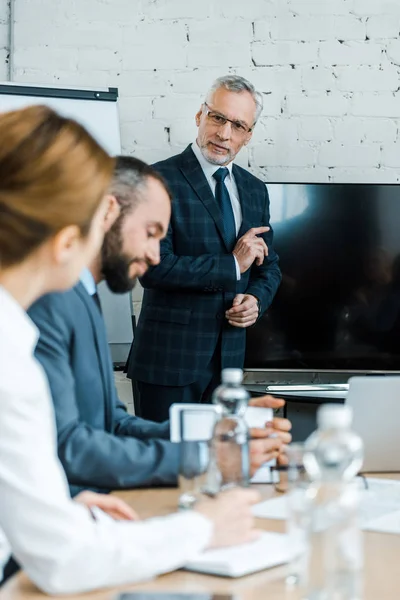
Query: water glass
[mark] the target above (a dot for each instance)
(294, 481)
(194, 456)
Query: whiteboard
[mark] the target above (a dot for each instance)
(97, 111)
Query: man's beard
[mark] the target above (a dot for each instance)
(115, 264)
(216, 160)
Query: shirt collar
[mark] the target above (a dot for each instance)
(88, 282)
(208, 168)
(15, 325)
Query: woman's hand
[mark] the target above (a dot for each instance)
(113, 506)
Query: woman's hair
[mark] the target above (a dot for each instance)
(52, 174)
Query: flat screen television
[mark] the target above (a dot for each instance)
(338, 306)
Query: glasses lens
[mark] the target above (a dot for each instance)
(216, 118)
(239, 128)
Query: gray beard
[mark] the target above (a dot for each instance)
(215, 161)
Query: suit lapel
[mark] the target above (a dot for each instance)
(245, 201)
(192, 171)
(101, 344)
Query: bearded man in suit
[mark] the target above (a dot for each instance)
(100, 445)
(218, 271)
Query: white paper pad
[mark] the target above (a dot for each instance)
(270, 550)
(256, 416)
(265, 475)
(380, 506)
(276, 508)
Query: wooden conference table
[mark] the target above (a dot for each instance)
(381, 574)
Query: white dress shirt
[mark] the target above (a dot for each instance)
(56, 540)
(209, 169)
(87, 280)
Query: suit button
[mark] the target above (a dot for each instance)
(219, 315)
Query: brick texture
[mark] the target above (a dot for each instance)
(329, 72)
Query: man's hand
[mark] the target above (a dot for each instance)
(244, 311)
(250, 248)
(113, 506)
(231, 516)
(263, 447)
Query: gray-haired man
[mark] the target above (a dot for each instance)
(218, 271)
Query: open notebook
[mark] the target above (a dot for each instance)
(270, 550)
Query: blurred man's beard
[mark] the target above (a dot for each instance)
(115, 265)
(116, 273)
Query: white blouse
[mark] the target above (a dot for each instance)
(56, 540)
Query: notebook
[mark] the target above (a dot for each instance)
(269, 550)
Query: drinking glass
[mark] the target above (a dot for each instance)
(295, 482)
(194, 455)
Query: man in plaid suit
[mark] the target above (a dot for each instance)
(218, 272)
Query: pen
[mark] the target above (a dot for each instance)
(299, 468)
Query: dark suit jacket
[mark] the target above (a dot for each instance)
(187, 294)
(100, 445)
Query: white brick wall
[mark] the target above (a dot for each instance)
(3, 39)
(329, 69)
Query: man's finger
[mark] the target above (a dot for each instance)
(251, 314)
(247, 301)
(284, 436)
(281, 424)
(267, 401)
(260, 243)
(263, 446)
(259, 433)
(258, 460)
(258, 230)
(238, 299)
(242, 324)
(282, 459)
(245, 307)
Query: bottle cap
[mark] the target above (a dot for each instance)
(232, 376)
(337, 416)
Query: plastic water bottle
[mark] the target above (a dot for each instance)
(230, 460)
(333, 456)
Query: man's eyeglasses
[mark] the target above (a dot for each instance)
(220, 120)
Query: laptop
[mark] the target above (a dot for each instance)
(375, 401)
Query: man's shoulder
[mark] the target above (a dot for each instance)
(248, 177)
(54, 306)
(166, 165)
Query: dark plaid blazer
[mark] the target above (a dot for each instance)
(187, 294)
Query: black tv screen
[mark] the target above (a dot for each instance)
(338, 306)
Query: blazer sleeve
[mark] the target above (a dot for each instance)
(205, 273)
(93, 457)
(127, 425)
(265, 279)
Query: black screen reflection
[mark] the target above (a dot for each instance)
(338, 306)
